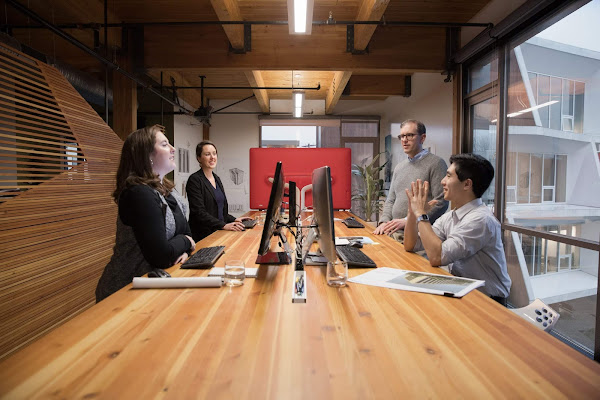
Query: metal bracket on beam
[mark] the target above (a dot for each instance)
(350, 42)
(407, 85)
(247, 41)
(452, 35)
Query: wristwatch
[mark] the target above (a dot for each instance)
(423, 217)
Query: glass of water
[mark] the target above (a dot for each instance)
(337, 273)
(235, 272)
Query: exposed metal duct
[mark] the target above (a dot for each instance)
(90, 88)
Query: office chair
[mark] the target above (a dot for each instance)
(538, 314)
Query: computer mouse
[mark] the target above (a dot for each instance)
(158, 273)
(355, 243)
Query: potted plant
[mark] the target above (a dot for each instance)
(370, 188)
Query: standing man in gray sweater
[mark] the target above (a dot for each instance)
(420, 164)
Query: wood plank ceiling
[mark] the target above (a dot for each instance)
(276, 58)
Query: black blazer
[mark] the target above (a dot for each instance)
(204, 214)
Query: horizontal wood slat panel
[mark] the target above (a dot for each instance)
(35, 113)
(57, 231)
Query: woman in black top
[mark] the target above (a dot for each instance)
(152, 231)
(208, 203)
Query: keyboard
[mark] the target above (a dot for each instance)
(352, 223)
(354, 257)
(249, 223)
(204, 258)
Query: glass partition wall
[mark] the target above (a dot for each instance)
(546, 149)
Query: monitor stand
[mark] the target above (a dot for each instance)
(278, 258)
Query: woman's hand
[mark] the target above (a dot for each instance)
(234, 226)
(193, 244)
(181, 259)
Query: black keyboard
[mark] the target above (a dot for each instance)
(354, 257)
(204, 258)
(352, 223)
(249, 223)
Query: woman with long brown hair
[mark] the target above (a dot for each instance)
(152, 231)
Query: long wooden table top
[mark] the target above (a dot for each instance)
(252, 342)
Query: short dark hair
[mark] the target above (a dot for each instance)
(474, 167)
(201, 146)
(420, 126)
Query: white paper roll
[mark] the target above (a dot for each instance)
(191, 282)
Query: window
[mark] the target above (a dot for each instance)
(536, 175)
(533, 116)
(306, 133)
(563, 100)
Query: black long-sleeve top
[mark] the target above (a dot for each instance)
(204, 211)
(150, 234)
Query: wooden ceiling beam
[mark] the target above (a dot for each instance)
(420, 49)
(228, 10)
(255, 79)
(338, 83)
(369, 10)
(378, 85)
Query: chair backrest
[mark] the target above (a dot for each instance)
(539, 314)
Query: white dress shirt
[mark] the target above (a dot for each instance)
(472, 246)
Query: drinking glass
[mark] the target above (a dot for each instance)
(235, 272)
(337, 273)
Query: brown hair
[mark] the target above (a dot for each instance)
(201, 146)
(420, 126)
(135, 167)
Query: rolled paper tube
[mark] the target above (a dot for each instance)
(191, 282)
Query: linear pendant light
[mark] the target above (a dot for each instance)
(298, 99)
(300, 14)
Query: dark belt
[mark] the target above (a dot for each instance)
(501, 300)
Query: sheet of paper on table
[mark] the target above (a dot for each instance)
(345, 239)
(445, 285)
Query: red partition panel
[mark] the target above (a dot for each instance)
(298, 165)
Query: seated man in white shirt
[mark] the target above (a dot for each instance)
(467, 239)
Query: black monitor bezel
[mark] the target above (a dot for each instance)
(273, 210)
(323, 212)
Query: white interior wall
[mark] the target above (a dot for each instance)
(188, 133)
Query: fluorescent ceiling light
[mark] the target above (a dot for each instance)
(300, 14)
(298, 98)
(527, 110)
(531, 108)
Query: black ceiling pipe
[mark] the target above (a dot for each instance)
(326, 22)
(19, 7)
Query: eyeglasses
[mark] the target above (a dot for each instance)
(408, 136)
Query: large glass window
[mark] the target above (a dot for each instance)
(552, 82)
(546, 151)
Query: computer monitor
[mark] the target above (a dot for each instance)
(271, 220)
(323, 212)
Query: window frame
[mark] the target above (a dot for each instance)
(516, 29)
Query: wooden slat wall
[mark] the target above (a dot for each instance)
(58, 161)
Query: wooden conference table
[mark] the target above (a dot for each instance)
(251, 341)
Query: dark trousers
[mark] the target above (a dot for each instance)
(501, 300)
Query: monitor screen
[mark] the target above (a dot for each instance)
(323, 212)
(272, 214)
